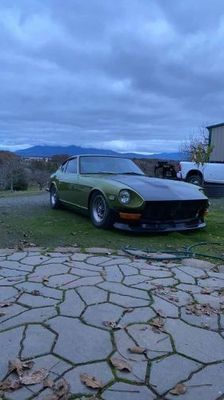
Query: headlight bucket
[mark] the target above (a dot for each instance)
(124, 197)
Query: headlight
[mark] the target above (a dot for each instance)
(124, 197)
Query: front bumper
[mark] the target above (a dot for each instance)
(165, 216)
(160, 226)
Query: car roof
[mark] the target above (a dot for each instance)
(96, 155)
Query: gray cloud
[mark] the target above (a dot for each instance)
(140, 75)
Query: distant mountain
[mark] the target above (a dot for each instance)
(48, 151)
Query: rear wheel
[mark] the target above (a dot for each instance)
(195, 179)
(100, 213)
(54, 199)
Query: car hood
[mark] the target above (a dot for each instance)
(155, 189)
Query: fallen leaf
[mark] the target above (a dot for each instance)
(35, 292)
(48, 382)
(201, 309)
(91, 381)
(180, 388)
(215, 269)
(206, 290)
(18, 366)
(161, 313)
(120, 364)
(112, 324)
(137, 350)
(129, 309)
(173, 298)
(10, 385)
(158, 323)
(5, 304)
(45, 279)
(34, 377)
(61, 389)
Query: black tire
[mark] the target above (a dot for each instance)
(100, 213)
(54, 199)
(195, 179)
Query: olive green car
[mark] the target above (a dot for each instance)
(115, 192)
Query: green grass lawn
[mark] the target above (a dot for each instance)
(50, 228)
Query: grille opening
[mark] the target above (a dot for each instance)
(174, 210)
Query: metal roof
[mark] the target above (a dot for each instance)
(215, 125)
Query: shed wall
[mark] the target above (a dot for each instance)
(217, 141)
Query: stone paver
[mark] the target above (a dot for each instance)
(79, 343)
(53, 308)
(38, 341)
(208, 384)
(127, 392)
(179, 369)
(99, 369)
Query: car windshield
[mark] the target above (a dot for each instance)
(108, 165)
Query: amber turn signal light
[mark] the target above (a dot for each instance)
(130, 216)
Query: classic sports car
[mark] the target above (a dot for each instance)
(114, 191)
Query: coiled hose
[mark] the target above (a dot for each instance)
(152, 254)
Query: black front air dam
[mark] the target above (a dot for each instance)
(161, 226)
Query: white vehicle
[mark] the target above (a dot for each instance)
(199, 174)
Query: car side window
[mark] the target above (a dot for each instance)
(63, 167)
(71, 166)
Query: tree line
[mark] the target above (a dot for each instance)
(17, 173)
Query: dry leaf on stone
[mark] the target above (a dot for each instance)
(129, 309)
(34, 377)
(48, 382)
(112, 324)
(206, 290)
(61, 389)
(10, 385)
(179, 389)
(137, 350)
(173, 298)
(158, 324)
(215, 269)
(19, 366)
(161, 313)
(35, 292)
(5, 304)
(45, 279)
(91, 381)
(120, 364)
(201, 309)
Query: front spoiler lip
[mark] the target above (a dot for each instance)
(160, 227)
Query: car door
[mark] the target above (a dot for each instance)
(214, 172)
(68, 182)
(61, 181)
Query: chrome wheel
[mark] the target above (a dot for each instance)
(100, 213)
(99, 209)
(54, 200)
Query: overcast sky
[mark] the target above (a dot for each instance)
(137, 75)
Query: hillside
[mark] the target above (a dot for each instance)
(48, 151)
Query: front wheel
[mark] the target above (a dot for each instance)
(195, 179)
(100, 213)
(54, 199)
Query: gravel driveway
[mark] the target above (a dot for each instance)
(26, 202)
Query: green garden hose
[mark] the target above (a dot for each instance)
(155, 254)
